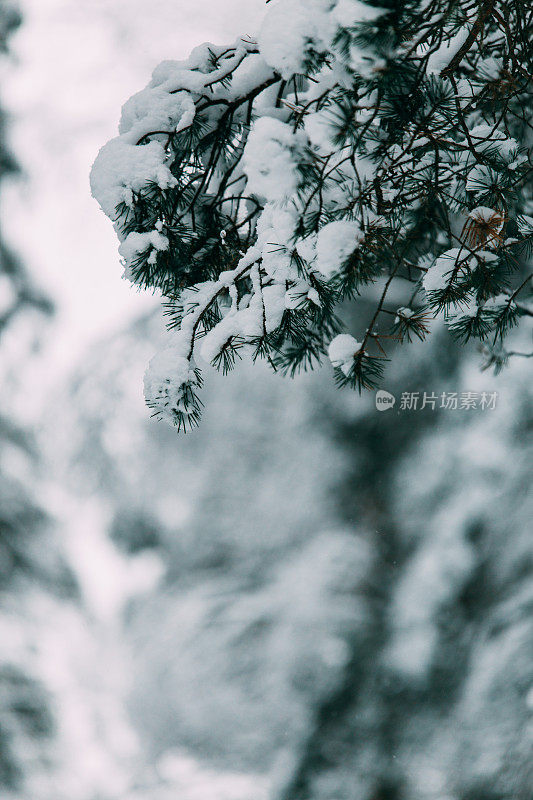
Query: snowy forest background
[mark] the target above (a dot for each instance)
(305, 599)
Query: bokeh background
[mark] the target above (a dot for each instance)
(306, 599)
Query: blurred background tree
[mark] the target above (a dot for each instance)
(25, 717)
(344, 608)
(53, 741)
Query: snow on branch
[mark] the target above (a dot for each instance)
(349, 149)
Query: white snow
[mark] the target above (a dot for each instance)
(137, 243)
(347, 13)
(336, 241)
(252, 72)
(341, 351)
(167, 373)
(498, 303)
(320, 130)
(286, 31)
(274, 300)
(442, 57)
(171, 76)
(469, 308)
(306, 248)
(262, 314)
(268, 159)
(486, 137)
(298, 294)
(156, 110)
(121, 169)
(275, 230)
(438, 276)
(403, 313)
(485, 258)
(492, 222)
(482, 213)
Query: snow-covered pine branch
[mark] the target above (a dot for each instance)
(351, 148)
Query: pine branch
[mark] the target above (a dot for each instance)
(486, 8)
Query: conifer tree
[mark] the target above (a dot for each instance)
(25, 717)
(354, 150)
